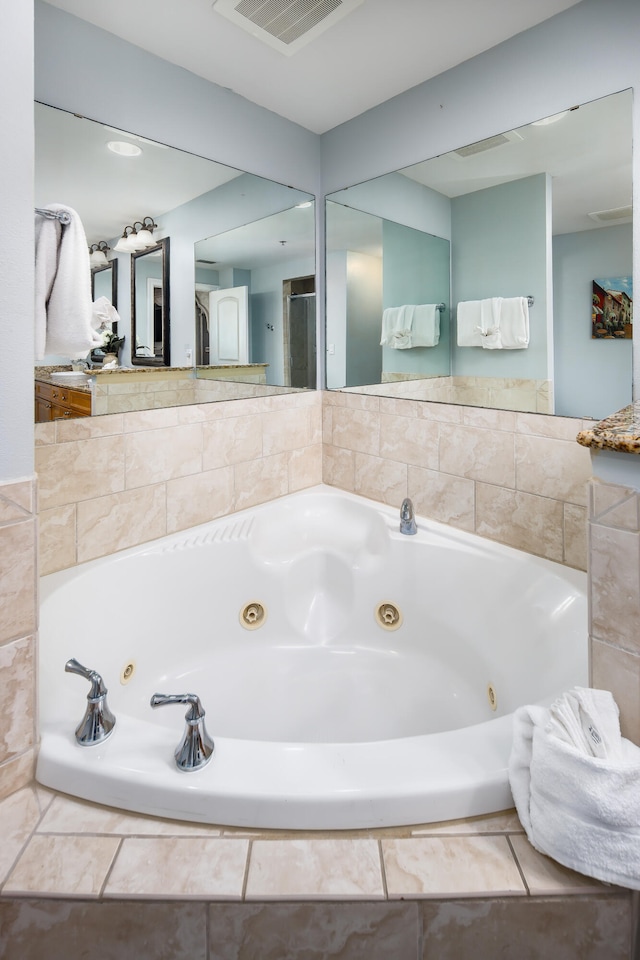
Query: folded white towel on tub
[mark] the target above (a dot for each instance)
(576, 785)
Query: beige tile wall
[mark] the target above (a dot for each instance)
(510, 393)
(518, 478)
(111, 482)
(614, 586)
(18, 623)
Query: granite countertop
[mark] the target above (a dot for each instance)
(51, 375)
(621, 431)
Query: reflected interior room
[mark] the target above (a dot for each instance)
(319, 428)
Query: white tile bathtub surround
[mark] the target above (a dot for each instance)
(111, 482)
(18, 620)
(518, 478)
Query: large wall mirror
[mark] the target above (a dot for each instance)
(542, 212)
(228, 229)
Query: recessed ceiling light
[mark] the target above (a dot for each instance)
(303, 206)
(124, 149)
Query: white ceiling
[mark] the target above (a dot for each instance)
(73, 167)
(380, 49)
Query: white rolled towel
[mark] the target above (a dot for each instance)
(579, 808)
(103, 314)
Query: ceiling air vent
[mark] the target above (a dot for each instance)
(489, 144)
(615, 215)
(286, 25)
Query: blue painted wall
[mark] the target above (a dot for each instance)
(415, 269)
(500, 248)
(580, 362)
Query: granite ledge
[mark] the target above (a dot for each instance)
(620, 431)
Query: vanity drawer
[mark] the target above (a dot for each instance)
(54, 402)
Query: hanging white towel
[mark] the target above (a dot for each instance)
(425, 326)
(574, 781)
(393, 326)
(63, 308)
(476, 321)
(411, 325)
(514, 323)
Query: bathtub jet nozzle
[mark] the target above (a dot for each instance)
(196, 747)
(98, 721)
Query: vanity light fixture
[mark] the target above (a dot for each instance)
(137, 237)
(98, 254)
(124, 149)
(144, 236)
(124, 244)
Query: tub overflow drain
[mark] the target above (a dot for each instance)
(253, 615)
(491, 696)
(388, 616)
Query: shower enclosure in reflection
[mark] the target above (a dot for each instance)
(299, 333)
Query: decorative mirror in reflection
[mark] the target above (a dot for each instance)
(255, 300)
(533, 215)
(150, 306)
(104, 282)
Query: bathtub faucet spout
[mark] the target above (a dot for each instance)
(196, 747)
(98, 721)
(407, 519)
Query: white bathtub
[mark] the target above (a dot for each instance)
(321, 717)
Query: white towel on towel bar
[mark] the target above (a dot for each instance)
(411, 325)
(575, 783)
(514, 323)
(495, 323)
(63, 307)
(477, 320)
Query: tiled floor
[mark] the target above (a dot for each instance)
(58, 848)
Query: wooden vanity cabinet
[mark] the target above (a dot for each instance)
(55, 403)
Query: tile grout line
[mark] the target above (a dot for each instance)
(383, 872)
(110, 869)
(520, 870)
(245, 879)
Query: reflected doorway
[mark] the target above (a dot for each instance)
(299, 332)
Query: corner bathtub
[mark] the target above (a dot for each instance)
(323, 717)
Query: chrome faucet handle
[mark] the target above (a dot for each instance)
(408, 523)
(98, 721)
(196, 747)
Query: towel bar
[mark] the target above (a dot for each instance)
(61, 215)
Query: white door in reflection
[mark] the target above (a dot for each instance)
(229, 325)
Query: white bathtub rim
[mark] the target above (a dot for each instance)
(285, 786)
